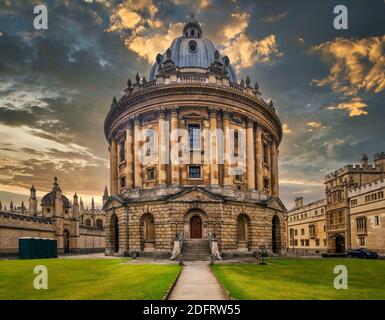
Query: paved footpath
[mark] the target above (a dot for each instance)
(197, 282)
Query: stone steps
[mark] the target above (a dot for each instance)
(196, 250)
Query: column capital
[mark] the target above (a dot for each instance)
(173, 110)
(161, 113)
(250, 122)
(129, 123)
(136, 120)
(258, 123)
(213, 112)
(226, 114)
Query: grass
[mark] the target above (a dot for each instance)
(70, 279)
(300, 279)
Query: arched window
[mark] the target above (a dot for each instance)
(148, 227)
(243, 228)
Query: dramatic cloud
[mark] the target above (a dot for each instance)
(355, 107)
(354, 64)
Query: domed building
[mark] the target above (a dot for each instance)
(193, 156)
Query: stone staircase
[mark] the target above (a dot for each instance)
(196, 250)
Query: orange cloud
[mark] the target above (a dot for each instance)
(355, 107)
(286, 129)
(354, 64)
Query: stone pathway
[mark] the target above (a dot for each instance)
(197, 282)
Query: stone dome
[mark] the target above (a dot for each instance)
(49, 198)
(191, 50)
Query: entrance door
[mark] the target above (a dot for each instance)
(66, 240)
(195, 228)
(340, 244)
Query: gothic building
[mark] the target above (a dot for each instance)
(193, 153)
(74, 228)
(349, 217)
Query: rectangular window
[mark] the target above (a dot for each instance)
(296, 242)
(324, 242)
(194, 172)
(296, 232)
(302, 242)
(302, 232)
(361, 225)
(376, 220)
(122, 152)
(307, 242)
(381, 195)
(362, 241)
(367, 198)
(122, 182)
(317, 242)
(353, 202)
(194, 132)
(151, 174)
(238, 178)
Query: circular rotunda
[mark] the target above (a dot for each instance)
(193, 157)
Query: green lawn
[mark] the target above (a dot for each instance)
(303, 279)
(86, 279)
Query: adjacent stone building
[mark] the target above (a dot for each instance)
(353, 207)
(58, 219)
(307, 227)
(193, 152)
(367, 216)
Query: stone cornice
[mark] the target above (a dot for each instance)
(162, 90)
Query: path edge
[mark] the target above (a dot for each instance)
(168, 293)
(227, 293)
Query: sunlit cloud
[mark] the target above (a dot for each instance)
(357, 64)
(314, 124)
(355, 107)
(286, 129)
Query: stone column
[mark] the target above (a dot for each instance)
(113, 166)
(227, 178)
(259, 158)
(174, 126)
(250, 167)
(213, 147)
(274, 169)
(162, 174)
(137, 161)
(129, 156)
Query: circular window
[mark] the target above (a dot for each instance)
(192, 46)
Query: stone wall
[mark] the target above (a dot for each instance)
(171, 217)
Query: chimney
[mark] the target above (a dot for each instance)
(298, 202)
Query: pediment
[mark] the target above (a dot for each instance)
(113, 202)
(195, 194)
(276, 203)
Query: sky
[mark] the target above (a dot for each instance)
(56, 85)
